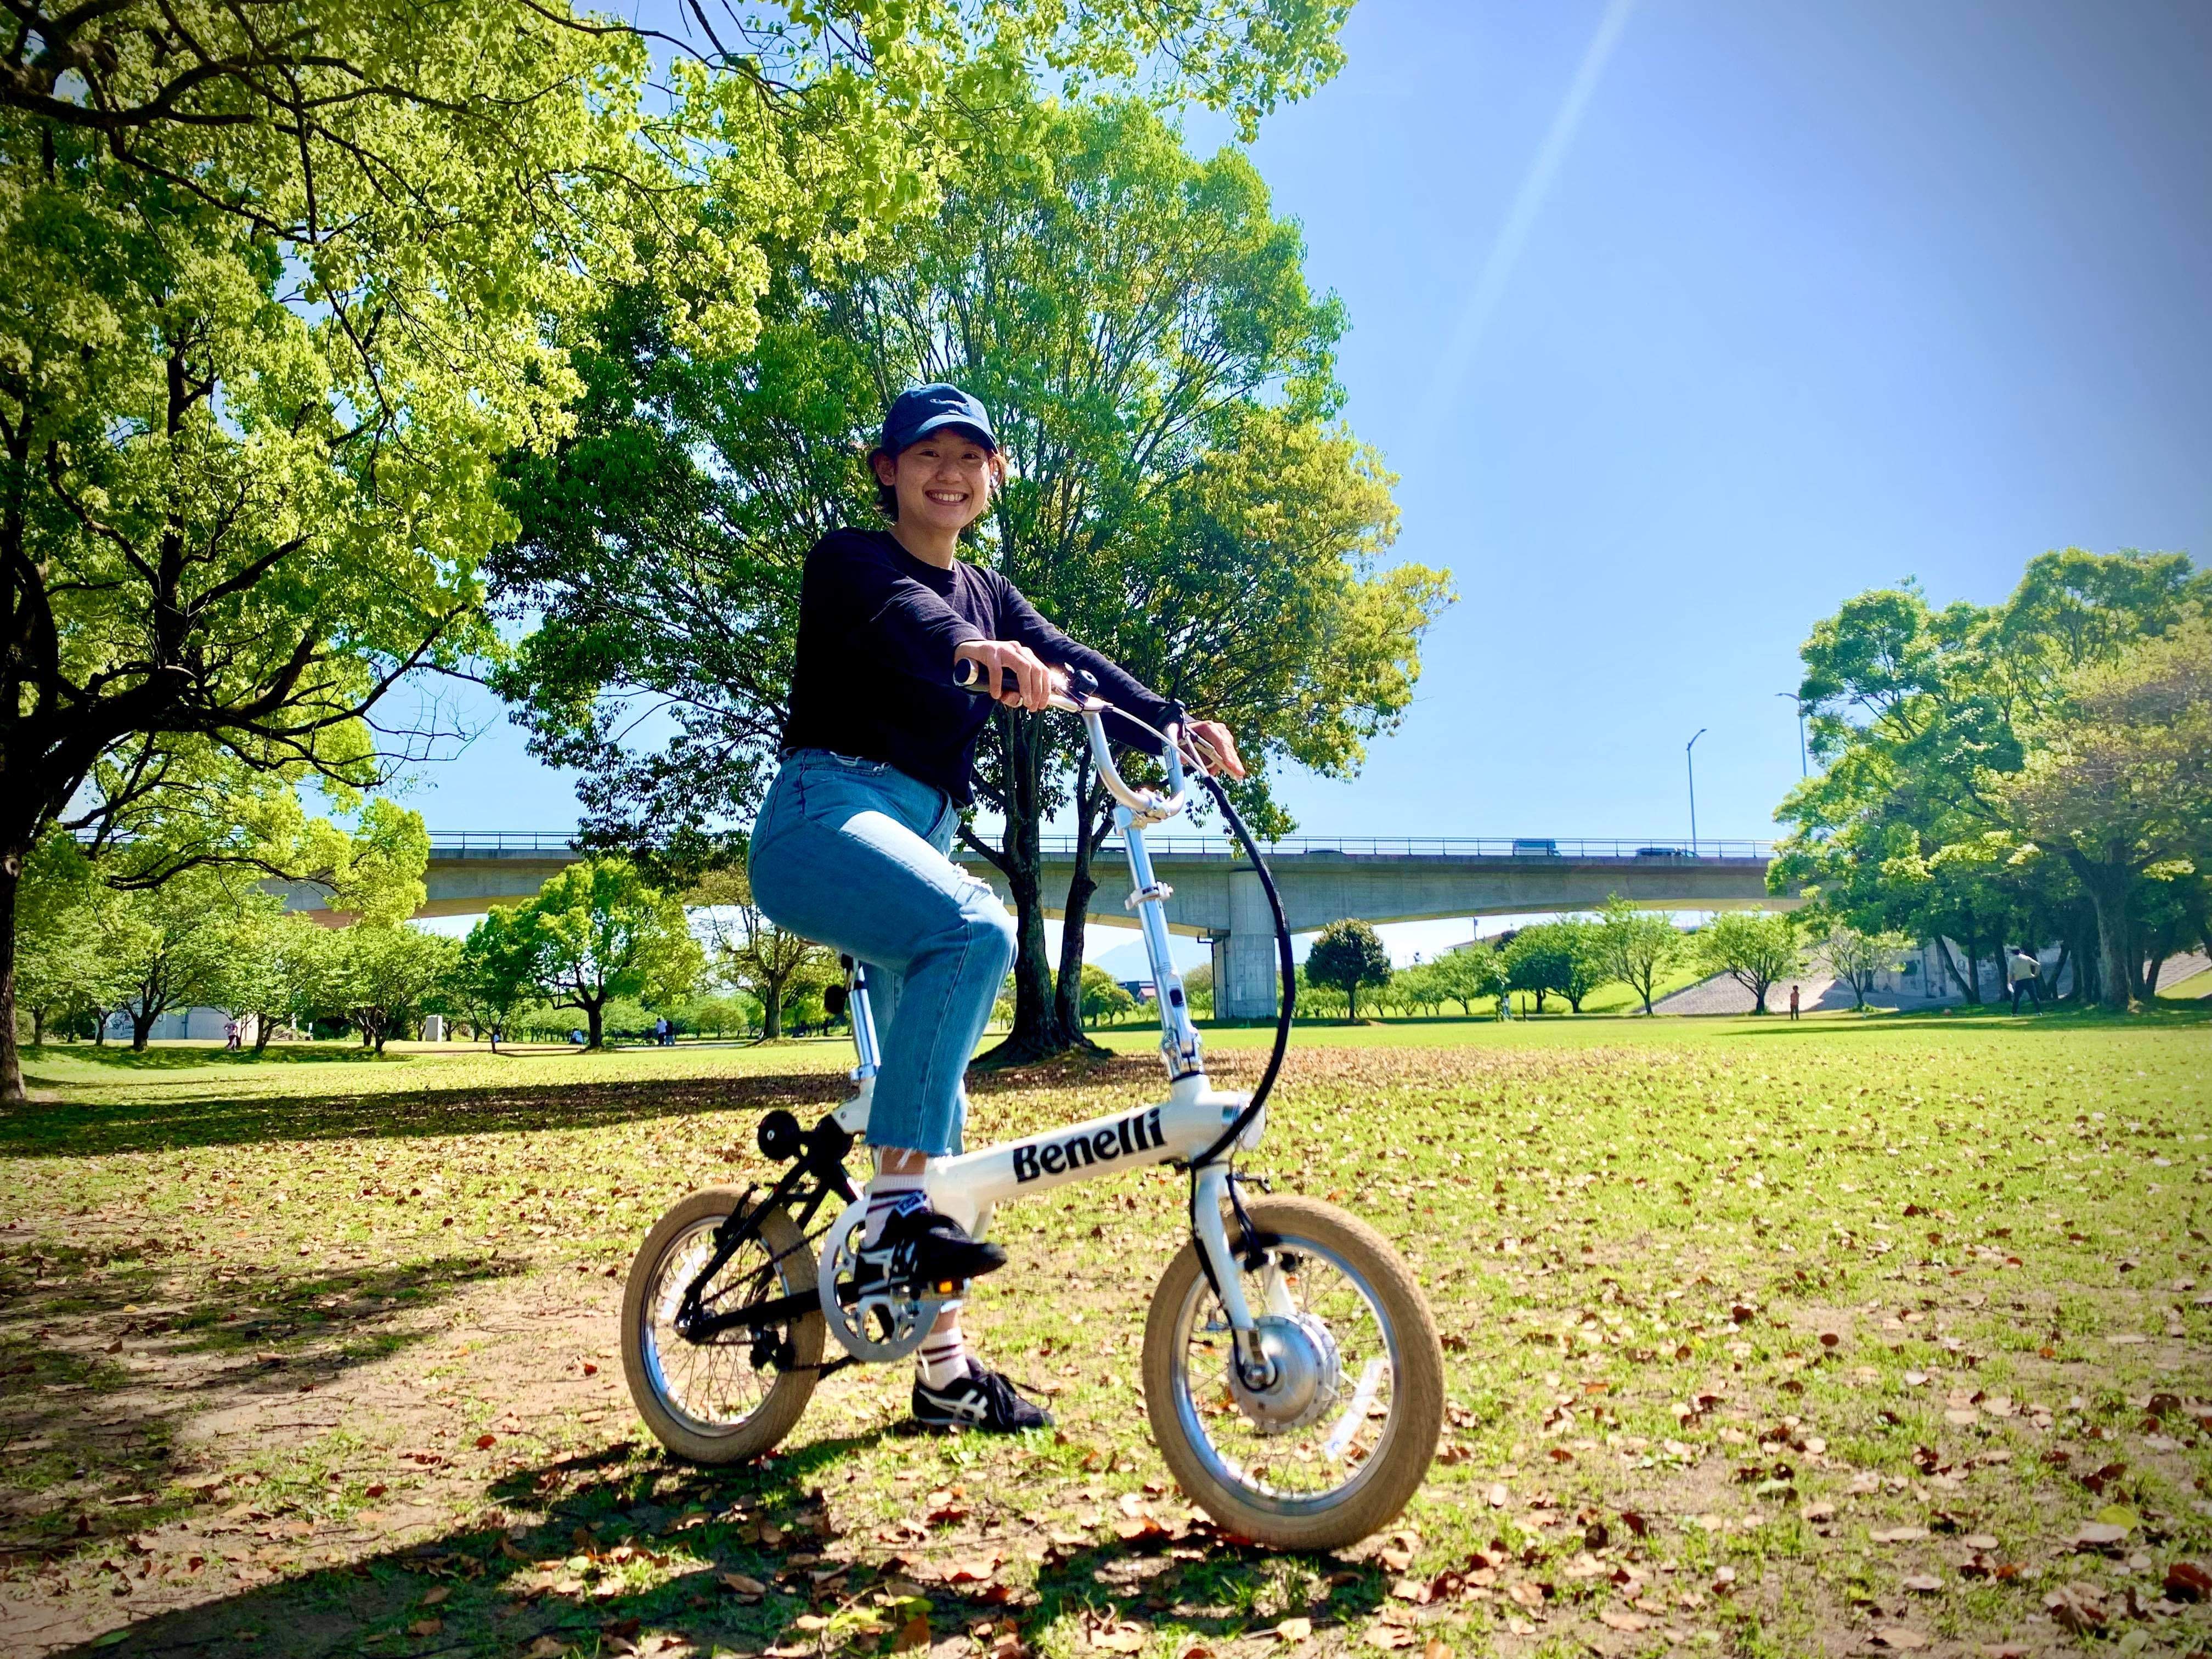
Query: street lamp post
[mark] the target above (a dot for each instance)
(1691, 760)
(1800, 701)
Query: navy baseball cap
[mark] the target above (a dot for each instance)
(922, 409)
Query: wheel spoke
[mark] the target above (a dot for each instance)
(1320, 1459)
(713, 1387)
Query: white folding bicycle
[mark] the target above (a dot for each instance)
(1291, 1370)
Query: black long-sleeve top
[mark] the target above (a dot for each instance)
(873, 675)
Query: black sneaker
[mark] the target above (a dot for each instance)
(981, 1400)
(921, 1248)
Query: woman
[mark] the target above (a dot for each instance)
(851, 843)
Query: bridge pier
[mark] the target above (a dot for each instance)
(1246, 979)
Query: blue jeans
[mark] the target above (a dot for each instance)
(852, 854)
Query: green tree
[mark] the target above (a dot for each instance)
(1104, 997)
(280, 284)
(1347, 954)
(598, 930)
(777, 968)
(1755, 948)
(166, 947)
(59, 969)
(497, 975)
(2118, 782)
(383, 976)
(271, 967)
(1198, 991)
(1636, 946)
(1184, 500)
(1471, 971)
(1857, 958)
(1921, 715)
(1540, 959)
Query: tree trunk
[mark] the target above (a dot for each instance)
(771, 1010)
(1067, 993)
(594, 1024)
(2108, 884)
(99, 1018)
(264, 1027)
(142, 1027)
(11, 1062)
(1972, 993)
(1038, 1031)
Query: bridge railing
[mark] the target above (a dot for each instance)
(450, 844)
(1436, 847)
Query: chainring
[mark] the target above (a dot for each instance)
(879, 1326)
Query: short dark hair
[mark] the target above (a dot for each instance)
(886, 495)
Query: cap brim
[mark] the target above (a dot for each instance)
(959, 423)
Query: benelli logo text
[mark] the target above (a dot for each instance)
(1137, 1133)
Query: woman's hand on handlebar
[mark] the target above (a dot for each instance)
(1035, 680)
(1217, 737)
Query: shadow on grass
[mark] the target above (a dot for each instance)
(100, 1409)
(100, 1127)
(601, 1519)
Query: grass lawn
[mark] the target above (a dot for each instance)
(1763, 1339)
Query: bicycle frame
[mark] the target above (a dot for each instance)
(1176, 1130)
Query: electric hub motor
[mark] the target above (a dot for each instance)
(1304, 1375)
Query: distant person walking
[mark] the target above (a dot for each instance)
(1793, 1002)
(230, 1033)
(2024, 974)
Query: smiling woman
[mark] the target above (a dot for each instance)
(851, 845)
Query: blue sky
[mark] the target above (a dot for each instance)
(1791, 302)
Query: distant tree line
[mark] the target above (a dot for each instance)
(2036, 772)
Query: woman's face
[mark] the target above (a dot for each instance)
(944, 481)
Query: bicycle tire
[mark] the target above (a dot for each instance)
(1392, 1473)
(763, 1429)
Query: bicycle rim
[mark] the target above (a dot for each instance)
(1321, 1465)
(710, 1388)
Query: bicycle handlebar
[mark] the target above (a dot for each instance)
(1145, 809)
(1076, 693)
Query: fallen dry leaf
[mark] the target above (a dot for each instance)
(915, 1633)
(425, 1627)
(1901, 1638)
(1391, 1636)
(1924, 1583)
(1295, 1630)
(2188, 1581)
(746, 1588)
(1624, 1621)
(1898, 1535)
(545, 1647)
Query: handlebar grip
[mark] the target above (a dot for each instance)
(968, 674)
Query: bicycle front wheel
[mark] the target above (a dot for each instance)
(736, 1395)
(1337, 1441)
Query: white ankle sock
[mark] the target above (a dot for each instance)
(888, 1194)
(943, 1358)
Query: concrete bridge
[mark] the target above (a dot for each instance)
(1218, 895)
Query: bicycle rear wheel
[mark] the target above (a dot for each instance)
(1338, 1442)
(734, 1396)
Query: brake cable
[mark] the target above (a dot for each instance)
(1085, 685)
